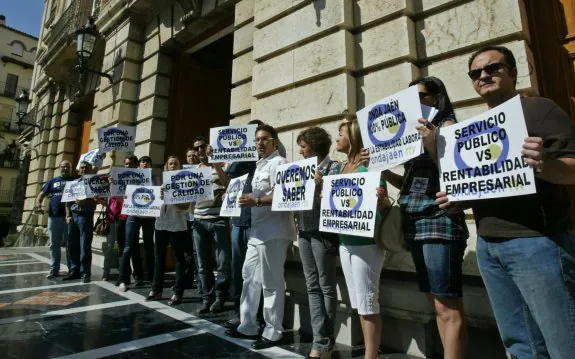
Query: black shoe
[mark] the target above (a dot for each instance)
(105, 275)
(217, 306)
(204, 308)
(232, 323)
(263, 343)
(86, 278)
(138, 282)
(175, 300)
(153, 296)
(233, 333)
(71, 276)
(53, 275)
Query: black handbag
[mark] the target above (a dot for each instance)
(330, 240)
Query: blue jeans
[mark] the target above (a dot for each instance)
(57, 229)
(132, 248)
(531, 287)
(80, 243)
(240, 238)
(206, 231)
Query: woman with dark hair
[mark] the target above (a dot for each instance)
(170, 228)
(361, 258)
(437, 240)
(315, 246)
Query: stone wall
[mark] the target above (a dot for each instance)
(301, 63)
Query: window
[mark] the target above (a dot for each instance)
(11, 85)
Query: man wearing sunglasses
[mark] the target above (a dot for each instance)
(210, 228)
(525, 245)
(57, 226)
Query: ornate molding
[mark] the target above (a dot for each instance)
(192, 10)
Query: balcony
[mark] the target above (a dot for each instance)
(60, 57)
(8, 120)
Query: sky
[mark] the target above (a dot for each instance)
(23, 15)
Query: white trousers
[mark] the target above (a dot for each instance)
(361, 267)
(264, 270)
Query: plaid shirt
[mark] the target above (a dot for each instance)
(422, 218)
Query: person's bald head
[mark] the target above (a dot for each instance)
(65, 168)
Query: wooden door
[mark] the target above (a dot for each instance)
(552, 31)
(200, 97)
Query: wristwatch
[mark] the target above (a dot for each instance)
(258, 202)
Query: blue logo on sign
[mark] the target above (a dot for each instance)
(233, 193)
(354, 189)
(501, 152)
(192, 178)
(143, 197)
(398, 129)
(237, 143)
(298, 184)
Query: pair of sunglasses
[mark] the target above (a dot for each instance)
(490, 69)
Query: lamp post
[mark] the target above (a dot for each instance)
(23, 101)
(86, 37)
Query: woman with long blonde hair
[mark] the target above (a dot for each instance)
(171, 228)
(361, 257)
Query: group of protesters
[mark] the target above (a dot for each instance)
(525, 245)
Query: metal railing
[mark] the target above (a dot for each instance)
(7, 195)
(74, 17)
(9, 90)
(8, 120)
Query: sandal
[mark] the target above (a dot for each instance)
(175, 300)
(153, 296)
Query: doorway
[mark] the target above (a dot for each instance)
(200, 94)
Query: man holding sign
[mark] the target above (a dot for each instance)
(525, 249)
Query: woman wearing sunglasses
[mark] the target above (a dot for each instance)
(436, 239)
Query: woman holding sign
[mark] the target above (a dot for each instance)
(270, 235)
(361, 257)
(315, 247)
(437, 240)
(170, 228)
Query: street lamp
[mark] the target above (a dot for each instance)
(23, 101)
(86, 37)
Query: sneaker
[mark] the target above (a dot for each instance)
(204, 308)
(232, 323)
(53, 275)
(71, 276)
(122, 287)
(86, 278)
(217, 306)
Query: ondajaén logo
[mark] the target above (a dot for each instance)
(385, 124)
(232, 138)
(143, 197)
(481, 142)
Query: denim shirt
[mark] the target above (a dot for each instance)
(308, 221)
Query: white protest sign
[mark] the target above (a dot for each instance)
(233, 144)
(93, 157)
(143, 201)
(96, 186)
(188, 185)
(388, 129)
(122, 139)
(74, 191)
(294, 186)
(122, 177)
(481, 158)
(349, 204)
(231, 202)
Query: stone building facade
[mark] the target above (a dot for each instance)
(179, 67)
